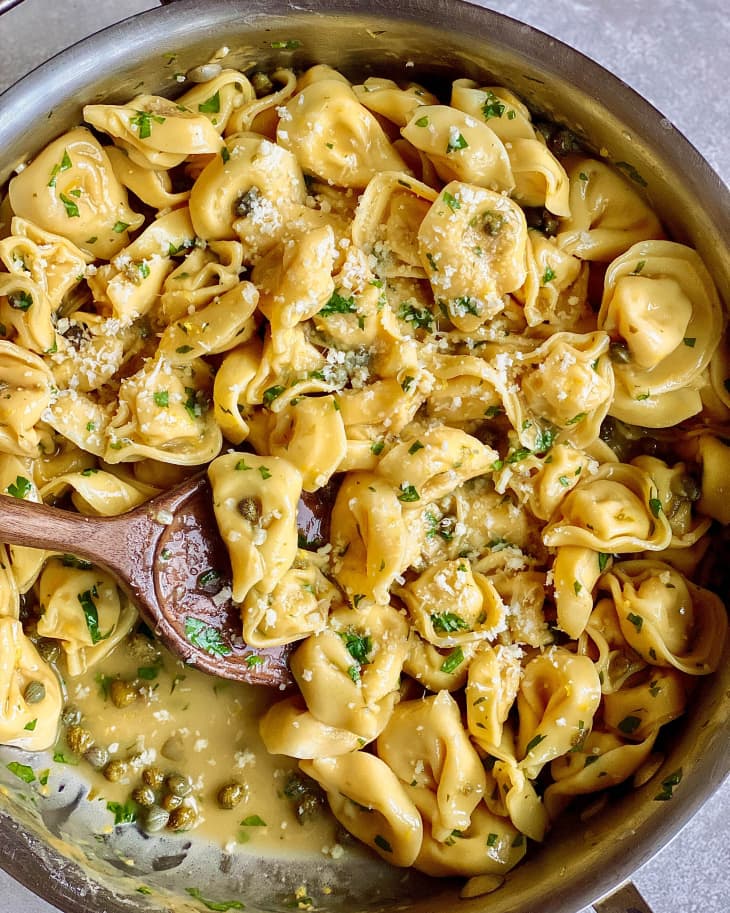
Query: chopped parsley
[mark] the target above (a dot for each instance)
(449, 622)
(668, 786)
(19, 488)
(690, 341)
(265, 472)
(636, 620)
(20, 300)
(415, 447)
(162, 398)
(656, 506)
(63, 165)
(419, 318)
(338, 304)
(21, 771)
(603, 559)
(456, 141)
(408, 493)
(548, 276)
(534, 742)
(577, 418)
(492, 106)
(91, 614)
(452, 661)
(119, 227)
(142, 120)
(217, 906)
(291, 44)
(206, 637)
(577, 587)
(451, 201)
(72, 210)
(376, 447)
(358, 646)
(253, 821)
(422, 121)
(211, 105)
(493, 411)
(123, 814)
(273, 393)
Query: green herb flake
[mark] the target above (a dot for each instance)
(376, 447)
(451, 201)
(668, 786)
(265, 472)
(19, 488)
(636, 620)
(577, 418)
(119, 227)
(577, 587)
(183, 350)
(548, 276)
(123, 813)
(92, 615)
(415, 447)
(272, 393)
(534, 742)
(422, 121)
(419, 318)
(216, 906)
(20, 301)
(603, 559)
(206, 637)
(583, 176)
(452, 661)
(638, 268)
(358, 646)
(354, 673)
(225, 154)
(629, 724)
(64, 165)
(338, 304)
(162, 398)
(690, 341)
(253, 821)
(30, 727)
(448, 622)
(143, 889)
(242, 466)
(72, 210)
(192, 404)
(291, 44)
(253, 659)
(456, 141)
(407, 383)
(518, 455)
(148, 673)
(408, 493)
(493, 411)
(43, 776)
(60, 758)
(142, 120)
(211, 105)
(143, 269)
(656, 506)
(21, 771)
(564, 481)
(492, 106)
(492, 839)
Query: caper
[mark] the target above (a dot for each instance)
(262, 85)
(230, 795)
(48, 649)
(144, 796)
(35, 692)
(182, 819)
(115, 770)
(179, 785)
(154, 819)
(170, 802)
(79, 739)
(246, 202)
(153, 776)
(142, 648)
(250, 509)
(687, 488)
(97, 757)
(619, 352)
(492, 222)
(123, 693)
(71, 716)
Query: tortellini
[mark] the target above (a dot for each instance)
(474, 498)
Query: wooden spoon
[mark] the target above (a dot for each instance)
(169, 557)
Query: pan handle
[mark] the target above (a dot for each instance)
(625, 899)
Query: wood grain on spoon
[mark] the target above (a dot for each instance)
(169, 557)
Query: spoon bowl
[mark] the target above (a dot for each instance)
(168, 556)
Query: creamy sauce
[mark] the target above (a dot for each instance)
(210, 728)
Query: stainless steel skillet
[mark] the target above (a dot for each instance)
(439, 38)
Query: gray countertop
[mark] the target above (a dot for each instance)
(675, 53)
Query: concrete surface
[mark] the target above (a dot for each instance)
(674, 52)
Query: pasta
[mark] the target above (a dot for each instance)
(479, 350)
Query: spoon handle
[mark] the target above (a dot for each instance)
(38, 526)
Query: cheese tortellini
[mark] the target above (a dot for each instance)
(469, 344)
